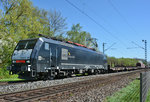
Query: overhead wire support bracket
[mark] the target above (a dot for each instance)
(110, 47)
(137, 45)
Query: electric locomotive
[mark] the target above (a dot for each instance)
(47, 58)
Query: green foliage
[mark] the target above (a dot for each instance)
(11, 79)
(4, 74)
(20, 20)
(148, 96)
(78, 36)
(17, 22)
(131, 93)
(116, 62)
(56, 22)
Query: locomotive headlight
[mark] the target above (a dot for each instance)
(13, 61)
(27, 61)
(29, 69)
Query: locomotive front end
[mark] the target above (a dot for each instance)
(21, 58)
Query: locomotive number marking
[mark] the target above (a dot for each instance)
(64, 54)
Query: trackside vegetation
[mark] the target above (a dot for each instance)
(122, 62)
(131, 93)
(4, 76)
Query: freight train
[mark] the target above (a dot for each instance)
(45, 57)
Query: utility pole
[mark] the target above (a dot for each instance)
(145, 41)
(145, 49)
(85, 41)
(104, 48)
(110, 47)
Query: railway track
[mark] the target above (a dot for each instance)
(114, 70)
(3, 83)
(16, 82)
(61, 91)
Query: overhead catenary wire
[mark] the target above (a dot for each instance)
(137, 45)
(110, 46)
(132, 47)
(106, 22)
(121, 15)
(101, 17)
(131, 27)
(93, 20)
(121, 52)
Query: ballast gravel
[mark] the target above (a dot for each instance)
(41, 84)
(99, 94)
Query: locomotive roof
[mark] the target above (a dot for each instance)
(30, 39)
(66, 44)
(44, 39)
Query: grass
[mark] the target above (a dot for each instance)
(148, 96)
(81, 74)
(10, 79)
(131, 93)
(78, 74)
(71, 94)
(4, 76)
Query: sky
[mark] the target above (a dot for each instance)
(123, 23)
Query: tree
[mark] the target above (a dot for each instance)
(17, 22)
(20, 20)
(57, 24)
(121, 62)
(112, 61)
(78, 36)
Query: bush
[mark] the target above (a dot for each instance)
(4, 73)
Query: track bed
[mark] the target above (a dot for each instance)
(63, 91)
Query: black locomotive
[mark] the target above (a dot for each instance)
(47, 58)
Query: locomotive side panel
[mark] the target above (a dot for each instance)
(48, 57)
(34, 56)
(66, 57)
(43, 57)
(75, 58)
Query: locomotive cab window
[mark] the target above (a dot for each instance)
(46, 46)
(26, 44)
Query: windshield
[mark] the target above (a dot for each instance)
(26, 44)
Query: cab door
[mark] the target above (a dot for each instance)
(53, 56)
(43, 58)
